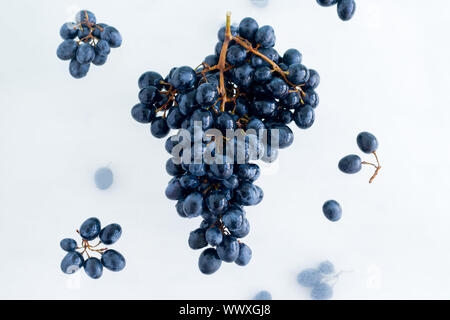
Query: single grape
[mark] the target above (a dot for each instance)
(102, 48)
(350, 164)
(143, 113)
(346, 9)
(213, 236)
(248, 194)
(292, 56)
(67, 49)
(228, 249)
(265, 37)
(298, 74)
(93, 268)
(327, 3)
(68, 31)
(85, 16)
(313, 81)
(68, 244)
(183, 78)
(110, 234)
(113, 260)
(72, 262)
(304, 117)
(332, 210)
(111, 35)
(245, 255)
(85, 53)
(309, 277)
(99, 60)
(322, 291)
(233, 218)
(90, 229)
(174, 190)
(263, 295)
(78, 70)
(103, 178)
(206, 94)
(197, 239)
(209, 261)
(159, 128)
(193, 205)
(326, 267)
(367, 142)
(248, 28)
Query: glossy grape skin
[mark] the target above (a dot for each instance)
(228, 249)
(175, 118)
(270, 53)
(332, 210)
(193, 205)
(249, 172)
(99, 60)
(367, 142)
(78, 70)
(263, 295)
(245, 255)
(222, 170)
(298, 74)
(97, 32)
(216, 202)
(243, 231)
(159, 128)
(110, 234)
(292, 56)
(264, 108)
(350, 164)
(187, 102)
(68, 31)
(174, 190)
(197, 239)
(322, 291)
(179, 208)
(211, 60)
(285, 135)
(236, 55)
(90, 229)
(309, 277)
(256, 124)
(248, 194)
(327, 3)
(85, 16)
(346, 9)
(113, 260)
(233, 218)
(265, 37)
(85, 53)
(103, 178)
(326, 267)
(304, 117)
(221, 32)
(209, 261)
(149, 95)
(313, 81)
(225, 121)
(93, 268)
(243, 75)
(183, 78)
(311, 98)
(248, 28)
(150, 78)
(142, 113)
(204, 117)
(112, 35)
(278, 88)
(68, 244)
(263, 74)
(213, 236)
(206, 94)
(102, 48)
(67, 50)
(72, 262)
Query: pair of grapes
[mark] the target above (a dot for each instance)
(90, 230)
(320, 280)
(86, 42)
(246, 87)
(345, 8)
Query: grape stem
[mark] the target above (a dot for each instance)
(86, 247)
(376, 166)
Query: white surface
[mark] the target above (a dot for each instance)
(385, 71)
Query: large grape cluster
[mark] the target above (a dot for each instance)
(245, 87)
(86, 42)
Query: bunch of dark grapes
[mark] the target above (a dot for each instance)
(345, 8)
(85, 41)
(110, 259)
(246, 87)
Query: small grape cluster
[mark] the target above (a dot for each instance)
(85, 41)
(352, 163)
(90, 230)
(345, 8)
(245, 87)
(320, 279)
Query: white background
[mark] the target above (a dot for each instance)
(386, 71)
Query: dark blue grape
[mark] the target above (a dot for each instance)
(311, 98)
(189, 181)
(222, 170)
(313, 81)
(228, 249)
(197, 239)
(203, 117)
(113, 36)
(221, 32)
(213, 236)
(99, 60)
(243, 75)
(175, 118)
(174, 190)
(72, 262)
(216, 202)
(85, 16)
(278, 88)
(150, 78)
(327, 3)
(249, 172)
(236, 55)
(265, 37)
(90, 229)
(248, 194)
(179, 208)
(159, 127)
(143, 113)
(93, 268)
(263, 74)
(68, 244)
(78, 70)
(193, 205)
(245, 255)
(102, 48)
(248, 28)
(350, 164)
(264, 108)
(85, 53)
(67, 50)
(211, 60)
(149, 95)
(183, 78)
(233, 218)
(186, 102)
(225, 121)
(97, 31)
(103, 178)
(209, 261)
(83, 32)
(197, 169)
(270, 53)
(285, 135)
(243, 231)
(110, 234)
(332, 210)
(292, 56)
(206, 94)
(304, 117)
(68, 31)
(367, 142)
(113, 260)
(298, 74)
(346, 9)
